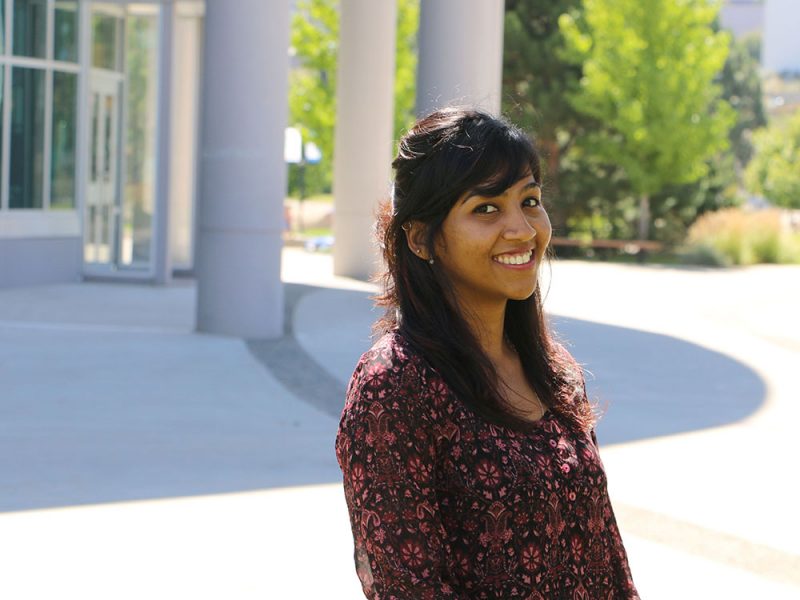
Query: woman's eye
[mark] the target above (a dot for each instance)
(532, 201)
(485, 209)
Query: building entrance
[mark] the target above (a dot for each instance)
(102, 218)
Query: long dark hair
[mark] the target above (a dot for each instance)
(444, 155)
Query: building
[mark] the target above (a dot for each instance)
(104, 173)
(781, 46)
(776, 21)
(85, 162)
(742, 17)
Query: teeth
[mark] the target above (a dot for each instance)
(516, 259)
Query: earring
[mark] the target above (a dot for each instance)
(430, 261)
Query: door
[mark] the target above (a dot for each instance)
(102, 219)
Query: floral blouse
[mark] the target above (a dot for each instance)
(444, 504)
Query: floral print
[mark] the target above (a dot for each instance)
(446, 505)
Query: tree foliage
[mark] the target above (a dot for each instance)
(535, 83)
(312, 85)
(648, 69)
(741, 88)
(774, 171)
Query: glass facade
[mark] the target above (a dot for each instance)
(50, 66)
(63, 147)
(42, 129)
(27, 138)
(65, 31)
(106, 38)
(141, 67)
(101, 214)
(2, 136)
(30, 28)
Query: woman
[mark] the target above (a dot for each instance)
(470, 463)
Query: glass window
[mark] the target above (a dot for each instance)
(106, 41)
(65, 31)
(30, 27)
(27, 138)
(141, 58)
(2, 27)
(65, 115)
(2, 99)
(95, 129)
(109, 141)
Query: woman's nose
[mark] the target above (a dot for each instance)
(518, 227)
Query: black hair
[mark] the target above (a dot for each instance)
(445, 155)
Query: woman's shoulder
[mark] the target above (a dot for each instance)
(388, 359)
(390, 369)
(390, 393)
(571, 380)
(565, 362)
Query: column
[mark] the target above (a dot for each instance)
(242, 173)
(185, 124)
(364, 123)
(460, 54)
(166, 39)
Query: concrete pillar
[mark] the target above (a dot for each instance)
(166, 44)
(364, 123)
(460, 54)
(185, 125)
(243, 176)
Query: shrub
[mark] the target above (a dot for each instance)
(734, 236)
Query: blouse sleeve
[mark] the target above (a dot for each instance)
(386, 449)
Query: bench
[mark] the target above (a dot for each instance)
(627, 246)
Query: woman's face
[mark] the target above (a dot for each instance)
(490, 248)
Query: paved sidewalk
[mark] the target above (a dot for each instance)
(139, 459)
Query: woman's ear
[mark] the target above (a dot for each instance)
(417, 238)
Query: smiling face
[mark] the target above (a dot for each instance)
(490, 248)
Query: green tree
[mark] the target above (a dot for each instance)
(312, 85)
(677, 206)
(648, 69)
(405, 79)
(741, 88)
(535, 82)
(774, 171)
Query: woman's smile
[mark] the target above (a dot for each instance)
(516, 260)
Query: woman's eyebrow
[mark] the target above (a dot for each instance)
(531, 185)
(526, 187)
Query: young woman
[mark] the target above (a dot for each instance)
(471, 468)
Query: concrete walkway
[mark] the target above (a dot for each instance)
(139, 459)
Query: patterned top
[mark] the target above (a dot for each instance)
(444, 504)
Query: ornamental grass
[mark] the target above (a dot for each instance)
(737, 236)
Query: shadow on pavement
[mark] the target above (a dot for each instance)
(654, 385)
(646, 384)
(208, 420)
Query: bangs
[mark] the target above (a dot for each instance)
(454, 153)
(507, 156)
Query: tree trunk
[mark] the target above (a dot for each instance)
(644, 223)
(552, 157)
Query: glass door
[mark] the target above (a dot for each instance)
(120, 200)
(101, 240)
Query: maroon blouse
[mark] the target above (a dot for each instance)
(444, 504)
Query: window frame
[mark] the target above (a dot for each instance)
(48, 65)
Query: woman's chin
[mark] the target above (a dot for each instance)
(522, 294)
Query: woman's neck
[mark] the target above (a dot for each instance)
(487, 324)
